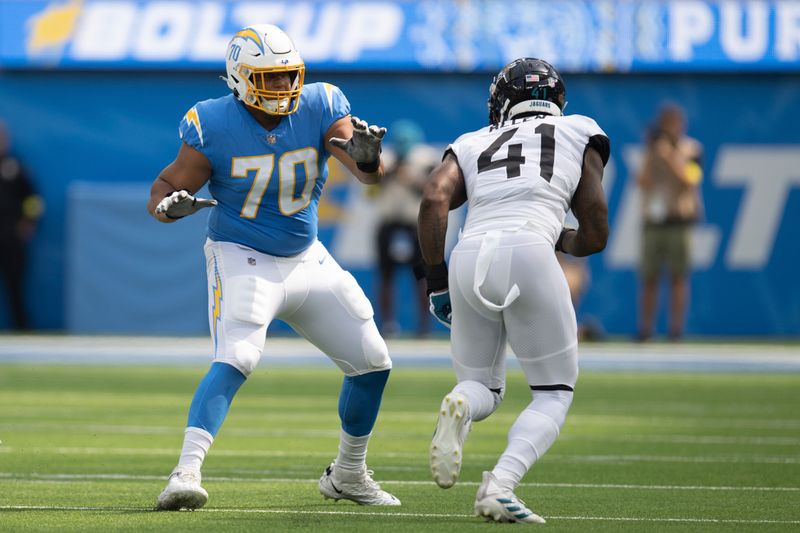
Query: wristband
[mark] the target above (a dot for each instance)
(436, 276)
(370, 167)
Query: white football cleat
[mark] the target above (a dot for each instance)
(448, 440)
(183, 491)
(358, 487)
(501, 505)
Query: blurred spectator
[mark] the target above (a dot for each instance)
(669, 179)
(20, 209)
(398, 197)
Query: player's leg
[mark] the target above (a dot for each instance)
(542, 332)
(478, 347)
(241, 304)
(336, 316)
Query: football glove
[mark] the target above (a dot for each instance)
(364, 147)
(440, 306)
(180, 204)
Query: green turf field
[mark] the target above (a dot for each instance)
(89, 448)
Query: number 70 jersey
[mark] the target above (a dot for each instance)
(525, 171)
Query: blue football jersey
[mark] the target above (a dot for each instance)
(267, 182)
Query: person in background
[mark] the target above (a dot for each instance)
(20, 210)
(398, 197)
(669, 179)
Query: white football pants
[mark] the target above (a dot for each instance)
(508, 285)
(310, 291)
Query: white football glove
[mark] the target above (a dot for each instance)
(365, 145)
(181, 203)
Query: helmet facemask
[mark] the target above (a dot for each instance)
(271, 101)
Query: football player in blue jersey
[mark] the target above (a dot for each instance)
(263, 151)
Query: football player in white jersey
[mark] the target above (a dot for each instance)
(520, 176)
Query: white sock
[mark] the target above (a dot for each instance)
(531, 435)
(196, 443)
(352, 452)
(482, 402)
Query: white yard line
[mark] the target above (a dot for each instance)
(125, 429)
(372, 513)
(561, 458)
(618, 486)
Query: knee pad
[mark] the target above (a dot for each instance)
(376, 352)
(245, 358)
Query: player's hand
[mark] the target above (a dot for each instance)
(180, 204)
(365, 144)
(440, 306)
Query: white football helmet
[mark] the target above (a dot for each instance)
(255, 52)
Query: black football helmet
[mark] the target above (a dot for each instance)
(528, 80)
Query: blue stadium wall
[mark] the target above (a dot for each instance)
(111, 133)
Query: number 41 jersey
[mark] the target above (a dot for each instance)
(525, 171)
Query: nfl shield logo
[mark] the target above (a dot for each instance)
(272, 138)
(251, 261)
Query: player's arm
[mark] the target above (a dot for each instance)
(590, 208)
(445, 190)
(358, 146)
(189, 172)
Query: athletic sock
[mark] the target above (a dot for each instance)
(481, 400)
(360, 401)
(352, 452)
(210, 404)
(213, 397)
(196, 443)
(531, 435)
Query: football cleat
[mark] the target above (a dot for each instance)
(501, 505)
(339, 484)
(183, 491)
(448, 440)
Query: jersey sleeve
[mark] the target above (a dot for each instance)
(335, 106)
(454, 148)
(190, 130)
(595, 137)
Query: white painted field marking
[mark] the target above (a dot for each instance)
(560, 458)
(624, 486)
(247, 432)
(373, 513)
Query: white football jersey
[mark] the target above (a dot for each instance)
(524, 172)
